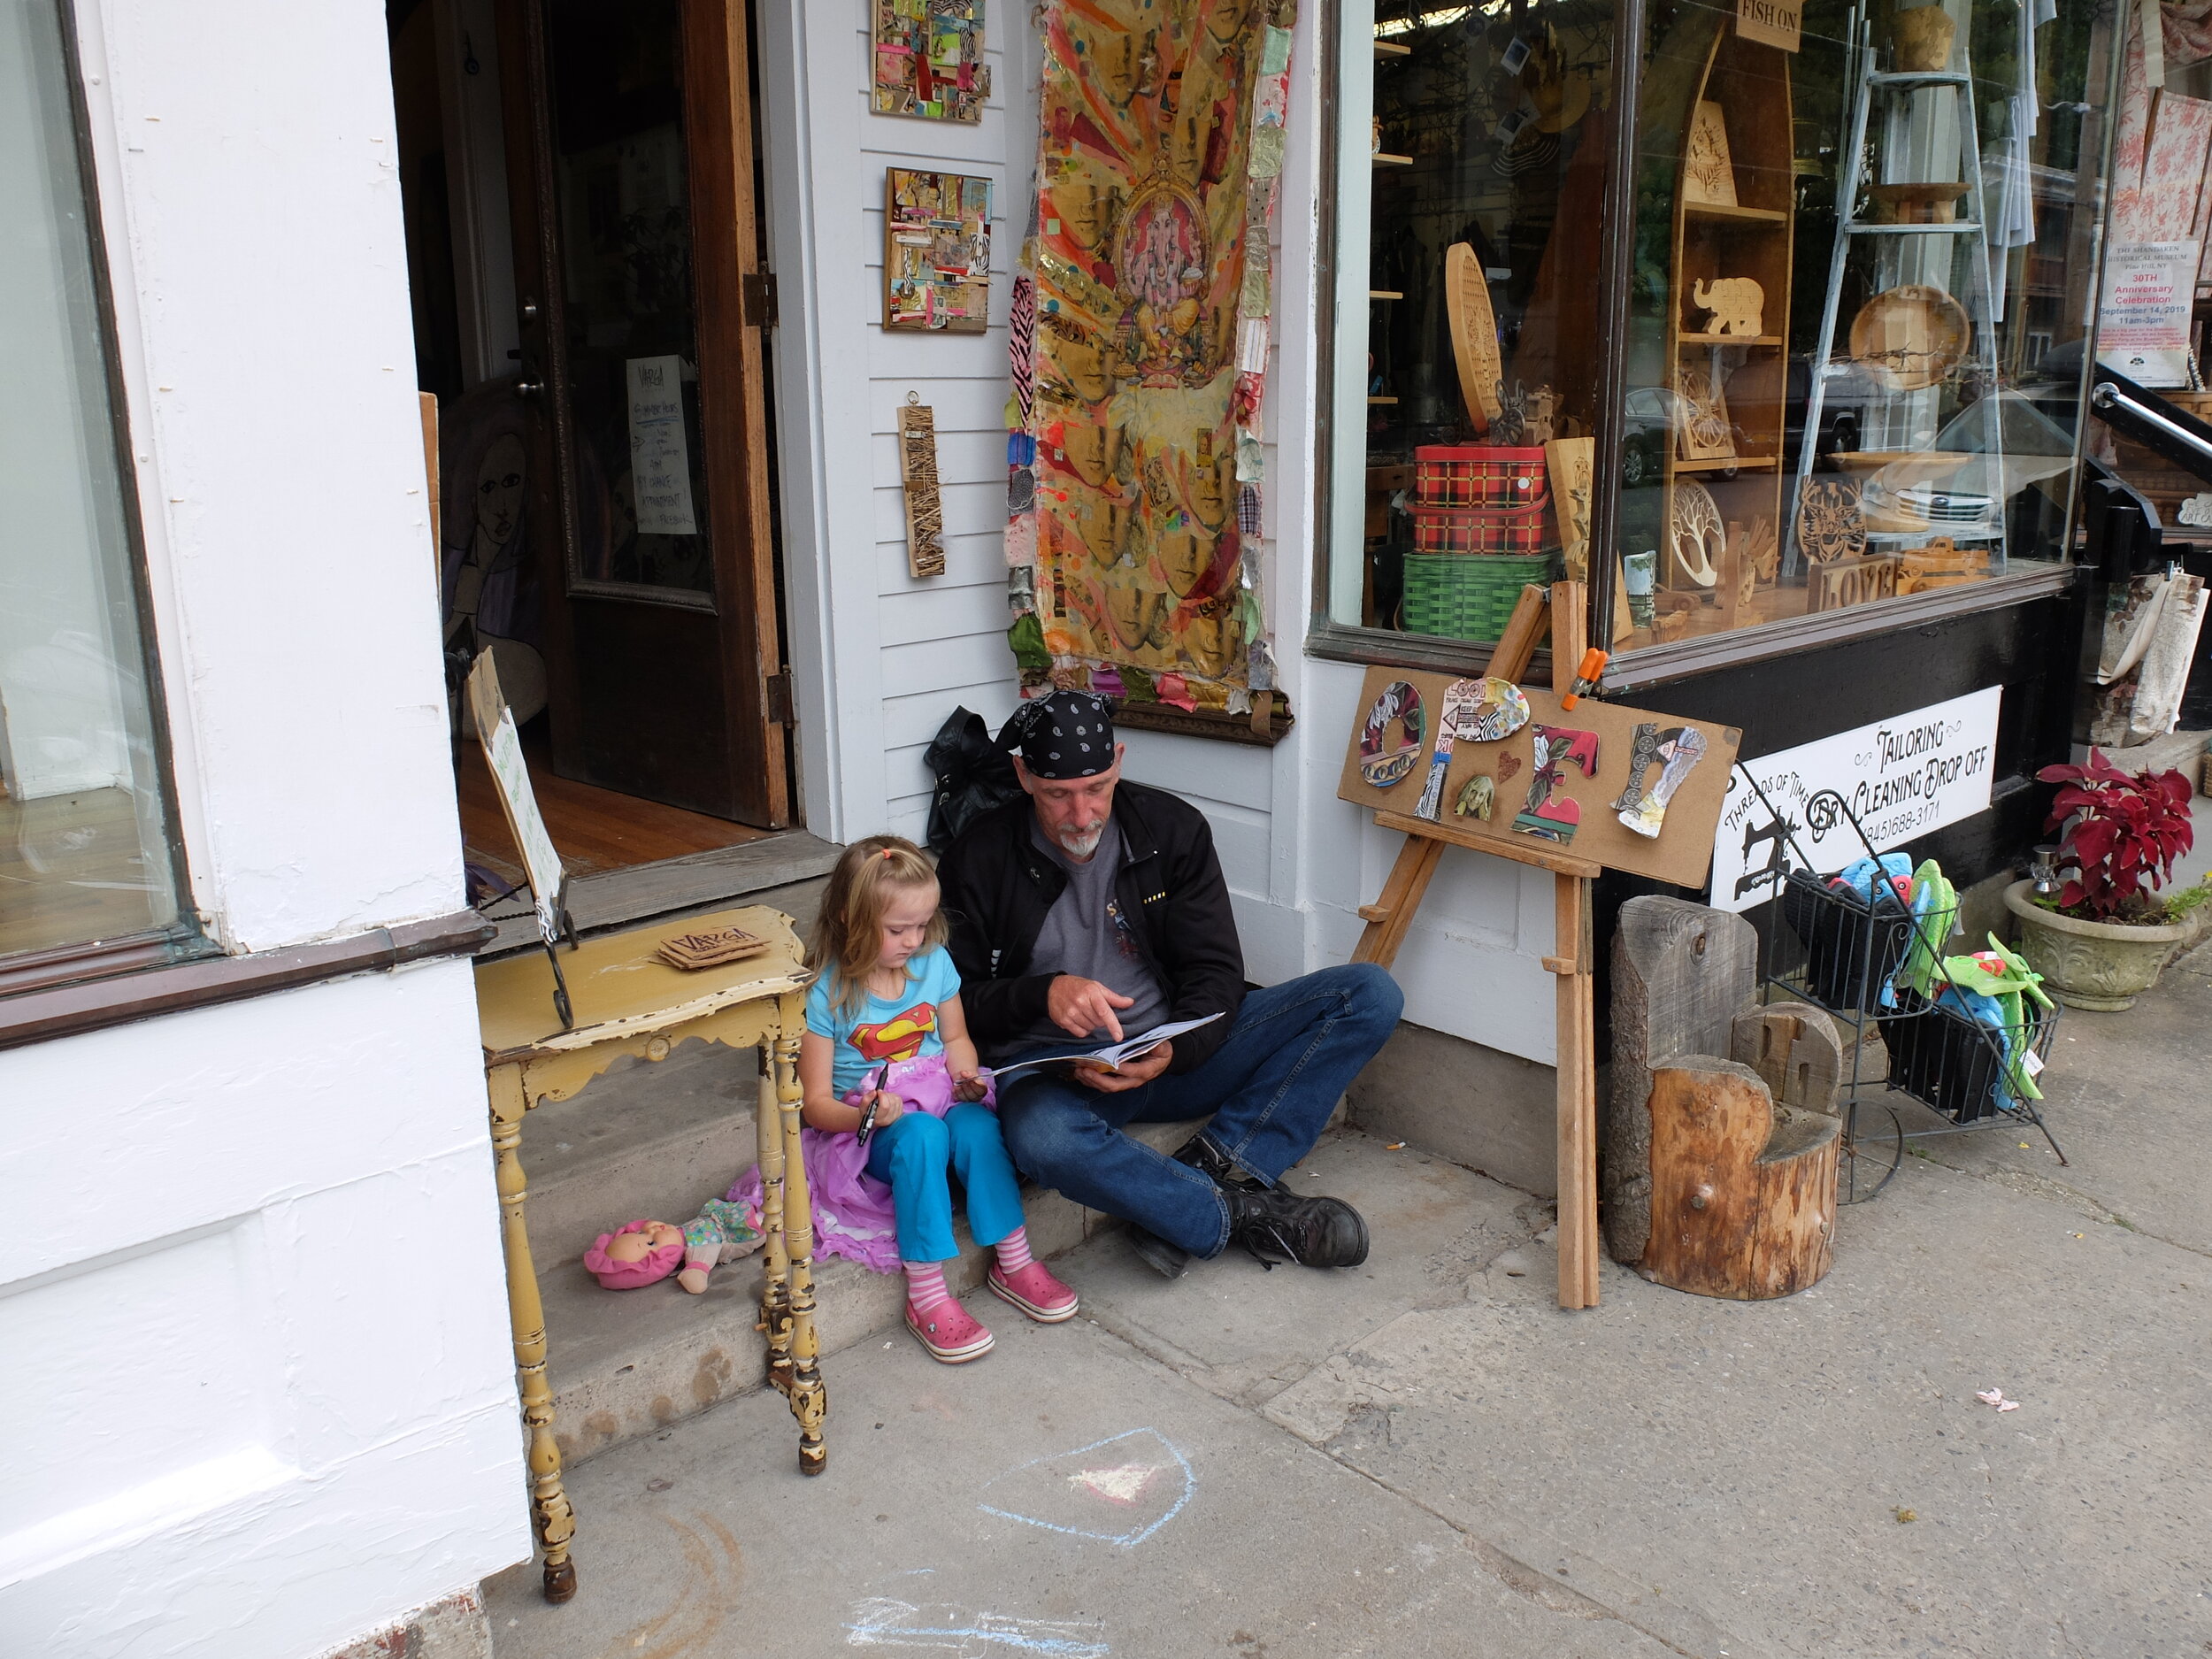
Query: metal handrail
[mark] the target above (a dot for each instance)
(2152, 421)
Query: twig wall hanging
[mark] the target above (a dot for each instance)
(918, 469)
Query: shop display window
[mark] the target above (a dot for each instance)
(89, 874)
(1859, 275)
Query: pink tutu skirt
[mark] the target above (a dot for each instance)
(852, 1210)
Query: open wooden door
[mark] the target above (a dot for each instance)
(642, 306)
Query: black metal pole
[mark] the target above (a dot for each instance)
(1615, 267)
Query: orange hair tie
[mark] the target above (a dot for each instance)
(886, 852)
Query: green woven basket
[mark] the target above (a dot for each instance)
(1468, 595)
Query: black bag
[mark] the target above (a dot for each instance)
(970, 774)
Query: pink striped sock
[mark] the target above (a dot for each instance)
(1013, 1252)
(926, 1285)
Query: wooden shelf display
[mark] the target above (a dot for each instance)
(1732, 221)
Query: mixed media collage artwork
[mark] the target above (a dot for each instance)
(929, 60)
(1501, 765)
(1140, 347)
(936, 251)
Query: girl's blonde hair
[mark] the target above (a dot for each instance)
(847, 938)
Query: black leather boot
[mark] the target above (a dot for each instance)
(1279, 1226)
(1167, 1260)
(1210, 1161)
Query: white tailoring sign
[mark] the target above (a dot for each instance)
(1900, 778)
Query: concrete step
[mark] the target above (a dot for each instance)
(643, 1140)
(627, 1363)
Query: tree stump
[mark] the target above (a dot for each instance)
(1682, 973)
(1796, 1050)
(1743, 1192)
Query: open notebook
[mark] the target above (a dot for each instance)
(1113, 1056)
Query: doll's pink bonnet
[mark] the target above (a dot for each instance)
(631, 1275)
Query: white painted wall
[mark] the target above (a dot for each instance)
(258, 1375)
(882, 659)
(250, 1289)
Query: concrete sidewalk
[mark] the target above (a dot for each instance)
(1425, 1456)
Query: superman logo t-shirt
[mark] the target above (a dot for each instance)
(880, 1029)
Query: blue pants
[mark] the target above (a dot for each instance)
(912, 1153)
(1270, 1088)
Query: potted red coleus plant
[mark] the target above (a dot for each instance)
(2105, 936)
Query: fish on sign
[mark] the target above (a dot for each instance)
(1771, 22)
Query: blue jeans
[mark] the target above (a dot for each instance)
(1269, 1090)
(912, 1153)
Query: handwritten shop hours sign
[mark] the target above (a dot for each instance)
(1902, 777)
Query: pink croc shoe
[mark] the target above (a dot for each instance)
(1036, 1292)
(948, 1333)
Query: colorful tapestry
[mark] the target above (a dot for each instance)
(929, 60)
(1135, 413)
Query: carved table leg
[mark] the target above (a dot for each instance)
(775, 1261)
(548, 1499)
(809, 1400)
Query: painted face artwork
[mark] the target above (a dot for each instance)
(1556, 819)
(499, 488)
(1400, 705)
(1478, 796)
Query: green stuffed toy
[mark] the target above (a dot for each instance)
(2004, 979)
(1935, 909)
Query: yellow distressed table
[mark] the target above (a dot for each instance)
(627, 1000)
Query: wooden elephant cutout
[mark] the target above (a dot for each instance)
(1736, 303)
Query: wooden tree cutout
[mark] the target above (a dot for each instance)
(1707, 174)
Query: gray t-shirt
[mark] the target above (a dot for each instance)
(1084, 935)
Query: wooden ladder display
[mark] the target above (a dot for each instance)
(1573, 963)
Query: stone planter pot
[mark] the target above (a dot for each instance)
(2099, 966)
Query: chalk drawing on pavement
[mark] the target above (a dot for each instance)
(885, 1621)
(1137, 1473)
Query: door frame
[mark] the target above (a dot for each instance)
(735, 429)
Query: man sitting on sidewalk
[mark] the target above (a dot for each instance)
(1092, 909)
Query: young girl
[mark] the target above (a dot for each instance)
(886, 1045)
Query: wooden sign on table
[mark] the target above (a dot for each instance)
(710, 949)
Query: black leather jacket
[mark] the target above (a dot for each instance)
(998, 888)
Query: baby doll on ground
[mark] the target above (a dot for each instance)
(641, 1253)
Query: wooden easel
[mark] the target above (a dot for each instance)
(1391, 914)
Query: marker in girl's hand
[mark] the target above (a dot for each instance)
(875, 1103)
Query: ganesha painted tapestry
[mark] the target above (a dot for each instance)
(1140, 347)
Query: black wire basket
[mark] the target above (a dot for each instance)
(1850, 945)
(1942, 1055)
